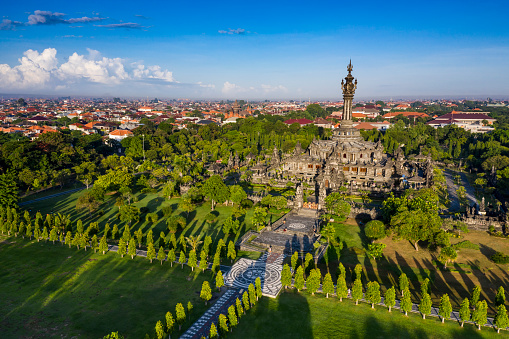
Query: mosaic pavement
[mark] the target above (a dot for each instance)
(245, 272)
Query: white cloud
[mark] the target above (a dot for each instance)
(230, 88)
(43, 70)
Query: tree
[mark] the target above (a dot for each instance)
(445, 308)
(151, 252)
(375, 251)
(286, 276)
(476, 293)
(185, 205)
(161, 255)
(170, 322)
(131, 249)
(464, 311)
(94, 243)
(403, 283)
(390, 298)
(406, 302)
(357, 290)
(259, 217)
(68, 238)
(53, 235)
(203, 260)
(171, 256)
(8, 190)
(328, 285)
(121, 247)
(294, 259)
(328, 231)
(192, 260)
(182, 258)
(159, 330)
(181, 314)
(425, 286)
(299, 279)
(252, 294)
(358, 271)
(219, 280)
(223, 323)
(86, 172)
(307, 260)
(237, 194)
(213, 331)
(425, 305)
(103, 245)
(245, 300)
(114, 232)
(215, 189)
(480, 314)
(231, 251)
(447, 254)
(88, 201)
(189, 308)
(240, 309)
(206, 292)
(258, 288)
(232, 316)
(500, 297)
(313, 281)
(139, 237)
(501, 319)
(374, 229)
(128, 213)
(341, 288)
(373, 293)
(45, 234)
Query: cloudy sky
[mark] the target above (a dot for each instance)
(255, 50)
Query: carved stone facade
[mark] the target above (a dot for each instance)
(347, 160)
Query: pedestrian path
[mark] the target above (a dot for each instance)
(201, 327)
(51, 196)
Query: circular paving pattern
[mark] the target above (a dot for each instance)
(244, 273)
(297, 226)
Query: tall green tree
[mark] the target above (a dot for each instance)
(180, 312)
(252, 294)
(294, 259)
(403, 283)
(223, 323)
(8, 190)
(232, 254)
(219, 280)
(121, 247)
(232, 316)
(476, 293)
(182, 258)
(216, 190)
(258, 288)
(480, 314)
(171, 257)
(161, 255)
(500, 297)
(131, 248)
(313, 281)
(159, 330)
(390, 298)
(406, 302)
(286, 276)
(103, 245)
(357, 291)
(464, 311)
(373, 293)
(170, 322)
(206, 292)
(213, 331)
(151, 252)
(445, 308)
(425, 305)
(299, 279)
(192, 260)
(328, 285)
(341, 288)
(501, 319)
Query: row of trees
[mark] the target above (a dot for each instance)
(372, 294)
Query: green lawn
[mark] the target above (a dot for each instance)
(53, 291)
(299, 315)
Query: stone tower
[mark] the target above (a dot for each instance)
(236, 108)
(346, 131)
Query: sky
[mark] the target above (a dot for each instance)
(255, 50)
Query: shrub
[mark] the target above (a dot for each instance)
(465, 244)
(167, 210)
(500, 258)
(246, 203)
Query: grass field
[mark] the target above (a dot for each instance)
(299, 315)
(53, 291)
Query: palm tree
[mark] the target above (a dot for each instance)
(193, 241)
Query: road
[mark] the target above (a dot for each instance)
(452, 187)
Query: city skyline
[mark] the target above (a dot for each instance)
(271, 51)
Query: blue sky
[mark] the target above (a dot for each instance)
(255, 50)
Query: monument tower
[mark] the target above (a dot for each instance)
(346, 131)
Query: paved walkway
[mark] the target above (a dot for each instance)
(452, 187)
(51, 196)
(201, 327)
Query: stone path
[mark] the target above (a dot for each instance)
(452, 187)
(201, 327)
(245, 272)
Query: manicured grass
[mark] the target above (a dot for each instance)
(53, 291)
(299, 315)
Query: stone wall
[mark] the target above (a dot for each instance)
(482, 223)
